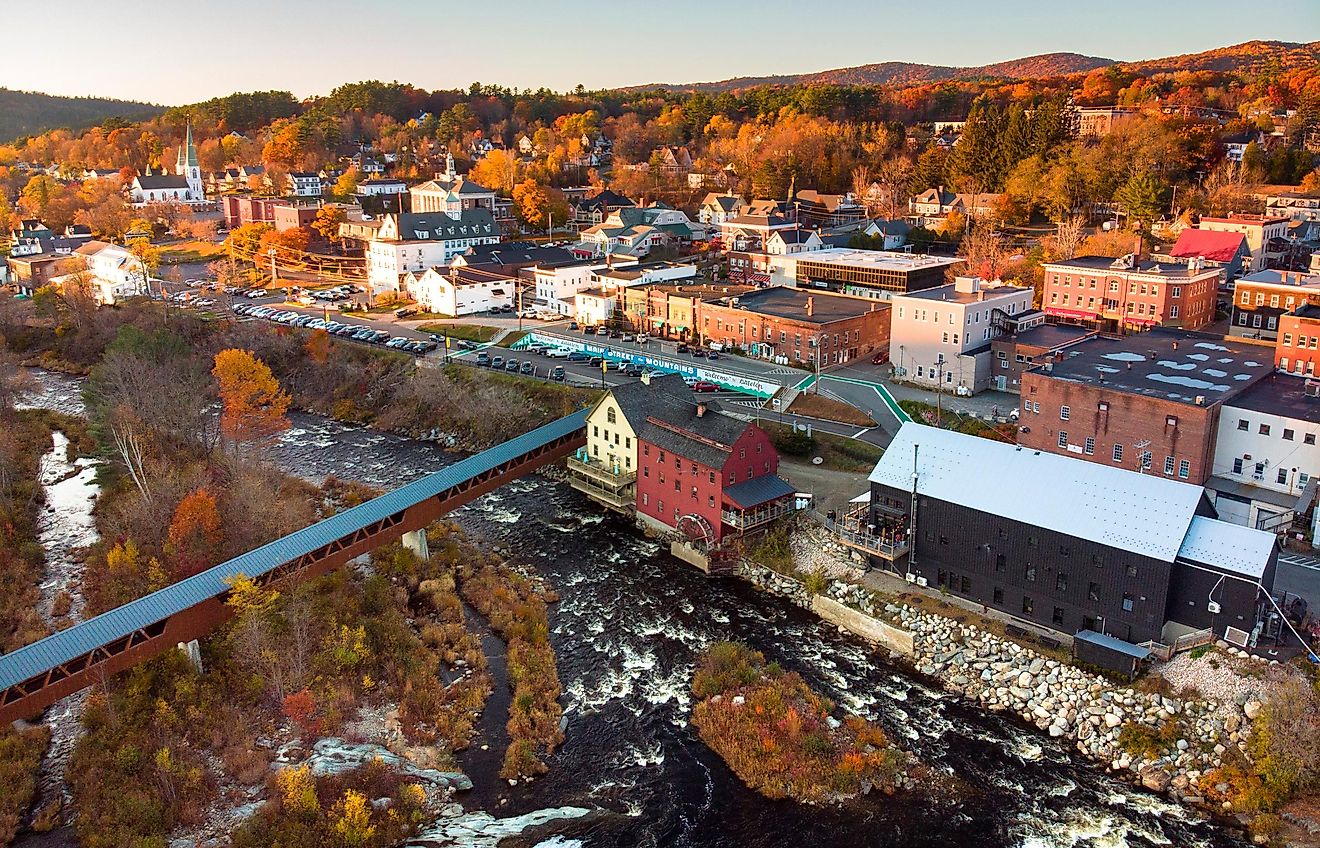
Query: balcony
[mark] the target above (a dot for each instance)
(852, 529)
(584, 466)
(750, 519)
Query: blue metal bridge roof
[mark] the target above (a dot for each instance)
(67, 645)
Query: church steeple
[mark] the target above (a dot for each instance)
(187, 154)
(187, 166)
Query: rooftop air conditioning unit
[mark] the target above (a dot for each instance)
(1213, 607)
(910, 577)
(921, 581)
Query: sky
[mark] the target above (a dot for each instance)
(186, 51)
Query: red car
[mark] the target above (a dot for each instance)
(703, 386)
(880, 358)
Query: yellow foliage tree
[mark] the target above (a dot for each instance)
(252, 402)
(353, 820)
(297, 790)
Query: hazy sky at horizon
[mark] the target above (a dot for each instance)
(187, 50)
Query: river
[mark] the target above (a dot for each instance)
(629, 625)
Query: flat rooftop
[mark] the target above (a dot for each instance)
(885, 260)
(1165, 364)
(1281, 394)
(1290, 279)
(1145, 266)
(1050, 336)
(950, 294)
(782, 302)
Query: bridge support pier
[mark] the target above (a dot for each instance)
(415, 541)
(193, 651)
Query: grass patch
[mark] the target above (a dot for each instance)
(469, 332)
(837, 453)
(190, 251)
(924, 413)
(819, 406)
(513, 337)
(779, 737)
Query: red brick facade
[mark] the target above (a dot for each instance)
(1060, 417)
(1297, 349)
(670, 486)
(1115, 298)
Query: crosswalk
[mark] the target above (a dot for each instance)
(1300, 560)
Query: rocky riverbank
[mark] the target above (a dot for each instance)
(1169, 744)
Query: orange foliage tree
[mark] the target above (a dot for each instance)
(253, 404)
(195, 533)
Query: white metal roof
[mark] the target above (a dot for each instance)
(1230, 547)
(1141, 513)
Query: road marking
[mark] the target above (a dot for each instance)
(863, 432)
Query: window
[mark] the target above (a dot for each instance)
(1061, 582)
(1090, 446)
(1177, 291)
(1287, 339)
(646, 499)
(999, 597)
(1031, 541)
(1168, 465)
(1093, 591)
(595, 431)
(1302, 479)
(1063, 438)
(1118, 453)
(1170, 421)
(1064, 413)
(1131, 570)
(646, 471)
(1057, 618)
(1029, 573)
(1242, 424)
(1001, 562)
(1127, 603)
(711, 500)
(646, 450)
(1282, 476)
(1173, 311)
(1145, 459)
(1308, 439)
(1287, 434)
(610, 416)
(661, 507)
(1184, 469)
(1264, 429)
(1027, 604)
(1237, 465)
(712, 476)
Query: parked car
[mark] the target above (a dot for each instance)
(556, 352)
(511, 365)
(595, 361)
(627, 337)
(704, 386)
(497, 362)
(880, 358)
(483, 359)
(578, 356)
(602, 331)
(258, 293)
(642, 338)
(713, 355)
(573, 325)
(528, 367)
(557, 373)
(684, 349)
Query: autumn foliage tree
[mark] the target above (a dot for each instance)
(253, 405)
(195, 534)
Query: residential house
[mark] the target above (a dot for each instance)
(455, 292)
(940, 337)
(589, 211)
(826, 210)
(718, 207)
(1266, 461)
(935, 204)
(304, 184)
(632, 231)
(1148, 403)
(183, 186)
(556, 285)
(784, 242)
(1293, 205)
(750, 232)
(1235, 146)
(1066, 545)
(1129, 293)
(113, 271)
(386, 188)
(1295, 349)
(1094, 121)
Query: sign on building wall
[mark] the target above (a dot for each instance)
(723, 379)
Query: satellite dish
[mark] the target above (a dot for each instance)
(815, 460)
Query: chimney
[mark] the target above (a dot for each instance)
(701, 408)
(1136, 250)
(811, 306)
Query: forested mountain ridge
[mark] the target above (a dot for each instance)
(24, 113)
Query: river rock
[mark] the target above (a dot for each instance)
(1154, 778)
(1113, 719)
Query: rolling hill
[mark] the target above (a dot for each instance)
(28, 112)
(1248, 57)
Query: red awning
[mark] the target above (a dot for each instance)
(1069, 313)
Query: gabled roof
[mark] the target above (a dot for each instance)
(159, 182)
(1142, 513)
(706, 438)
(759, 490)
(636, 400)
(438, 226)
(1210, 244)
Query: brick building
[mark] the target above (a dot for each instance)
(1260, 299)
(1129, 293)
(1149, 402)
(706, 474)
(780, 322)
(1018, 353)
(1297, 348)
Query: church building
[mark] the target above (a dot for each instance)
(183, 186)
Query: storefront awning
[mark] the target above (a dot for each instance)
(1069, 313)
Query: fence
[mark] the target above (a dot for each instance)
(1185, 642)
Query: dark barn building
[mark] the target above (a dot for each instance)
(1065, 544)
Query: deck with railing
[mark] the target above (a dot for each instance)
(601, 473)
(750, 519)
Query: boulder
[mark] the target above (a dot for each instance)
(1251, 709)
(1154, 778)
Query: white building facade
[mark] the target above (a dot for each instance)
(940, 337)
(412, 243)
(446, 293)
